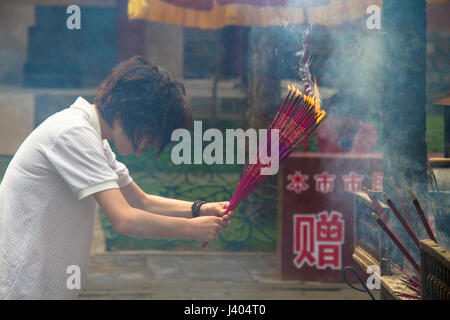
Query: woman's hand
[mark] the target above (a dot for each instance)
(216, 209)
(207, 228)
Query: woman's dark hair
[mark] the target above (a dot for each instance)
(148, 102)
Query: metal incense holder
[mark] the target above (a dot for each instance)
(373, 248)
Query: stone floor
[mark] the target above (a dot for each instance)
(171, 275)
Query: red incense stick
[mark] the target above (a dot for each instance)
(376, 203)
(402, 202)
(421, 215)
(397, 242)
(402, 221)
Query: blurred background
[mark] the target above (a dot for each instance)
(236, 59)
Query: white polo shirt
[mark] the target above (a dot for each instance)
(47, 211)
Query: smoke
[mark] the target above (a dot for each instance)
(304, 57)
(353, 68)
(348, 59)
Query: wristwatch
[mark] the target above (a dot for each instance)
(196, 208)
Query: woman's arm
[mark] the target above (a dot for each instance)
(136, 223)
(137, 198)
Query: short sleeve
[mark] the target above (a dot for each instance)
(78, 156)
(119, 168)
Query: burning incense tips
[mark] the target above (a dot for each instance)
(375, 203)
(421, 215)
(402, 221)
(397, 242)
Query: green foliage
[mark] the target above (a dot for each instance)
(435, 132)
(147, 161)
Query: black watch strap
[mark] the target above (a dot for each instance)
(196, 208)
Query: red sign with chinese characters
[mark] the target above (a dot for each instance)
(317, 216)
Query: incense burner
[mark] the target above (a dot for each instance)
(372, 247)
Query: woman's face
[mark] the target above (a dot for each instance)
(123, 143)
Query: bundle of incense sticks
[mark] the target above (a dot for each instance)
(297, 118)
